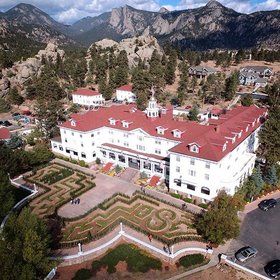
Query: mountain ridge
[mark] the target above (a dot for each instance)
(209, 27)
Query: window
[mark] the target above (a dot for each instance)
(65, 140)
(111, 132)
(81, 136)
(60, 148)
(55, 146)
(236, 158)
(207, 165)
(158, 142)
(192, 173)
(140, 138)
(92, 143)
(67, 151)
(64, 131)
(191, 187)
(178, 182)
(82, 145)
(205, 190)
(112, 121)
(125, 135)
(83, 155)
(141, 148)
(72, 133)
(206, 176)
(194, 149)
(157, 151)
(125, 144)
(75, 153)
(192, 161)
(92, 135)
(177, 158)
(177, 169)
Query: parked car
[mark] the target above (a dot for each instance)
(15, 114)
(267, 204)
(272, 269)
(7, 123)
(245, 253)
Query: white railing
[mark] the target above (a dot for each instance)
(19, 204)
(240, 267)
(121, 234)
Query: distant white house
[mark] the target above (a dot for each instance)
(261, 71)
(248, 78)
(255, 75)
(124, 93)
(201, 71)
(87, 97)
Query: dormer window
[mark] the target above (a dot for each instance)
(126, 124)
(112, 121)
(247, 128)
(73, 122)
(233, 140)
(177, 133)
(160, 130)
(194, 148)
(240, 134)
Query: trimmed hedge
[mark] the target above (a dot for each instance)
(190, 260)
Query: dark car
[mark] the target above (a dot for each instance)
(267, 204)
(272, 269)
(15, 114)
(245, 253)
(7, 123)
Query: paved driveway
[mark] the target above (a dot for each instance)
(261, 230)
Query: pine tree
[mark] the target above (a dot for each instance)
(271, 176)
(141, 101)
(193, 114)
(14, 97)
(257, 178)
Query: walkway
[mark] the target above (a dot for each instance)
(106, 187)
(128, 174)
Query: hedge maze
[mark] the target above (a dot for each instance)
(143, 213)
(60, 184)
(150, 216)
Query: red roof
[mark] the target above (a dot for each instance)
(154, 181)
(125, 88)
(210, 137)
(5, 134)
(86, 92)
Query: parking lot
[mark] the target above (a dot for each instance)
(260, 230)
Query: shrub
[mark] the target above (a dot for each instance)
(203, 205)
(176, 195)
(98, 161)
(143, 175)
(190, 260)
(188, 200)
(82, 274)
(118, 169)
(96, 266)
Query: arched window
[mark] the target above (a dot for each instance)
(205, 190)
(83, 155)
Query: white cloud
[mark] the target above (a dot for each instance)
(69, 11)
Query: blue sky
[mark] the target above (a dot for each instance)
(69, 11)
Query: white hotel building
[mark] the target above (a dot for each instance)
(194, 159)
(87, 97)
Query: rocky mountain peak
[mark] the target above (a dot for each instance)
(163, 10)
(213, 4)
